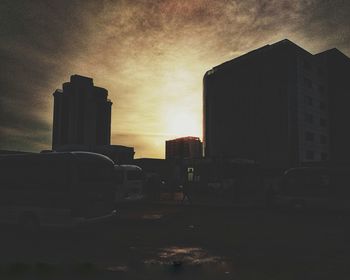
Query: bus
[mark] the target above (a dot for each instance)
(128, 182)
(56, 189)
(314, 188)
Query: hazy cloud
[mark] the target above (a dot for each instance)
(150, 55)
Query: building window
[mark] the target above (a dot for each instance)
(322, 105)
(309, 155)
(307, 82)
(309, 136)
(308, 100)
(323, 139)
(323, 122)
(324, 156)
(309, 118)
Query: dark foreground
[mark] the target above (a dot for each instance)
(185, 242)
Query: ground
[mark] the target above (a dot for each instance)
(160, 241)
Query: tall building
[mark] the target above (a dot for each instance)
(82, 114)
(277, 105)
(82, 120)
(185, 147)
(337, 75)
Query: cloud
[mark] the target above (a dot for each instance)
(150, 55)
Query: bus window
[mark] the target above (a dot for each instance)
(129, 182)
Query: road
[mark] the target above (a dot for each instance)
(157, 241)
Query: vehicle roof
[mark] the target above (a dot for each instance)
(127, 167)
(305, 168)
(57, 156)
(88, 156)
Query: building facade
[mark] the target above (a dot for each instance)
(272, 106)
(337, 75)
(185, 147)
(82, 114)
(82, 121)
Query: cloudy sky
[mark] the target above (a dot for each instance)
(150, 55)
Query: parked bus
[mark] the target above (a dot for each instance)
(128, 182)
(56, 189)
(314, 188)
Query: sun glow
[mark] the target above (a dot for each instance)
(182, 123)
(181, 109)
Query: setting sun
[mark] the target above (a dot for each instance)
(183, 123)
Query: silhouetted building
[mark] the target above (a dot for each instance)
(82, 114)
(185, 147)
(336, 72)
(82, 121)
(276, 105)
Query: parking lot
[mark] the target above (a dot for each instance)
(156, 241)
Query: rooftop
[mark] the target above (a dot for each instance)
(187, 138)
(279, 44)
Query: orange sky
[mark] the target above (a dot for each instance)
(150, 55)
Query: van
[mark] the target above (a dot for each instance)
(314, 188)
(56, 189)
(128, 182)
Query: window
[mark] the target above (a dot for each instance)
(309, 136)
(323, 139)
(308, 118)
(308, 100)
(309, 155)
(323, 122)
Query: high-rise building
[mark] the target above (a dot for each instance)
(82, 114)
(82, 120)
(185, 147)
(277, 105)
(337, 75)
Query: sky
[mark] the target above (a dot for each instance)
(150, 55)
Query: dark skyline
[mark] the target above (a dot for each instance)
(279, 106)
(82, 114)
(150, 57)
